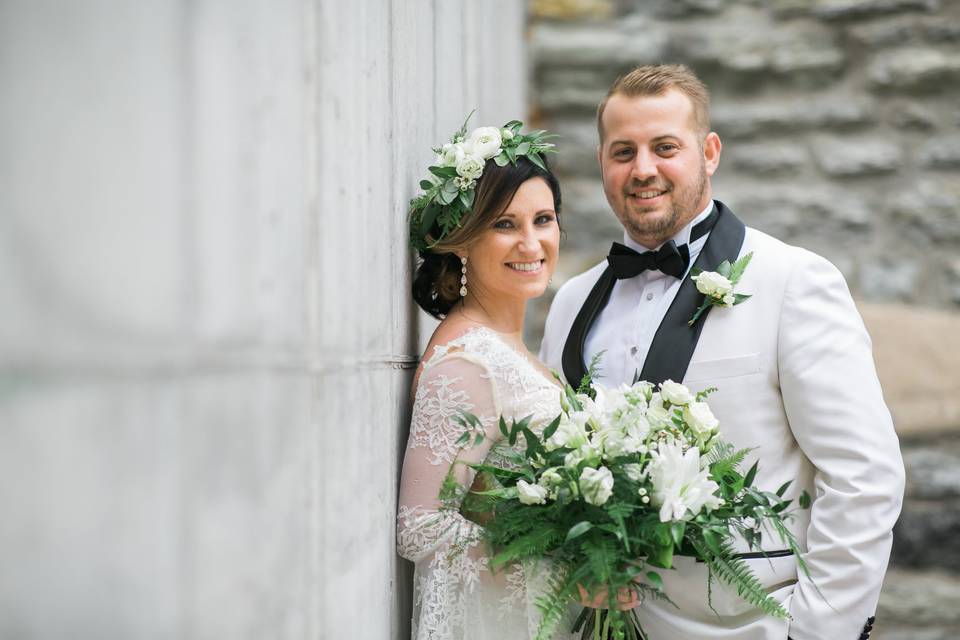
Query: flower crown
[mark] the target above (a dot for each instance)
(449, 190)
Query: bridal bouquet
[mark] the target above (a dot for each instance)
(618, 484)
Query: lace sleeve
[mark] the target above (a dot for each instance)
(458, 383)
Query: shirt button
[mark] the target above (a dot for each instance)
(649, 296)
(633, 351)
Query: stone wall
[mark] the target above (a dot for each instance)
(839, 118)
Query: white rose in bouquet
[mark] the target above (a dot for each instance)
(657, 415)
(485, 141)
(596, 485)
(681, 488)
(713, 284)
(550, 479)
(675, 393)
(531, 493)
(701, 420)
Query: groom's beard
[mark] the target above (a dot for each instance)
(684, 205)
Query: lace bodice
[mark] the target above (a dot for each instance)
(455, 594)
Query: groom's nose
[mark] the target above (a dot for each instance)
(644, 167)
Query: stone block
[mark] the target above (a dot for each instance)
(587, 220)
(924, 602)
(571, 9)
(766, 158)
(855, 9)
(741, 119)
(915, 69)
(856, 158)
(884, 32)
(597, 45)
(889, 280)
(930, 209)
(914, 115)
(942, 152)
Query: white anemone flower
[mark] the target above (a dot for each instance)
(681, 488)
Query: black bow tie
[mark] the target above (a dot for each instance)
(670, 259)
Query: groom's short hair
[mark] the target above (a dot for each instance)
(655, 80)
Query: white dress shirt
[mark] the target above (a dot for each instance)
(625, 328)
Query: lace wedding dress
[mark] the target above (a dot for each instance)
(456, 595)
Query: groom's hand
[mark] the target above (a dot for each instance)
(626, 599)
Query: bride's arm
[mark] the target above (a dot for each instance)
(459, 383)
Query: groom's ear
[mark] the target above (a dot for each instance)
(711, 152)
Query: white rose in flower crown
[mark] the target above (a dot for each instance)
(471, 166)
(450, 155)
(506, 134)
(485, 141)
(713, 284)
(700, 419)
(530, 493)
(596, 485)
(675, 393)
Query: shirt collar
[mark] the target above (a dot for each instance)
(682, 236)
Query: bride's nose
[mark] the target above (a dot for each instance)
(529, 240)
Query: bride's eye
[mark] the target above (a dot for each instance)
(502, 224)
(546, 218)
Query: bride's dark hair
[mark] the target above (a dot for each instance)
(436, 285)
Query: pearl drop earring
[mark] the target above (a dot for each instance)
(463, 276)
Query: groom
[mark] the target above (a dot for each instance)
(793, 367)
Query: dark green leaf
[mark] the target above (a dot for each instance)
(740, 297)
(478, 439)
(426, 185)
(551, 428)
(578, 530)
(444, 172)
(783, 488)
(503, 428)
(713, 541)
(655, 580)
(463, 439)
(748, 480)
(676, 532)
(535, 159)
(804, 500)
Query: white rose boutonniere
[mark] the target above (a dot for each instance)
(717, 286)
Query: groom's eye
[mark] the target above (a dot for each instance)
(666, 148)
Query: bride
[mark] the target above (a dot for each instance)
(486, 249)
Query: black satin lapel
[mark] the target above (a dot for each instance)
(675, 340)
(572, 359)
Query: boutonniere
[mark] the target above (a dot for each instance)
(717, 286)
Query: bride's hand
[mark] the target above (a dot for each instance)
(626, 599)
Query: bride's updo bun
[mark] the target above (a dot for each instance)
(436, 284)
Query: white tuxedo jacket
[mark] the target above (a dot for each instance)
(796, 381)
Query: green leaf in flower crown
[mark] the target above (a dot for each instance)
(523, 148)
(426, 185)
(511, 154)
(751, 474)
(465, 199)
(448, 192)
(444, 172)
(739, 267)
(535, 159)
(428, 217)
(513, 124)
(501, 159)
(578, 530)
